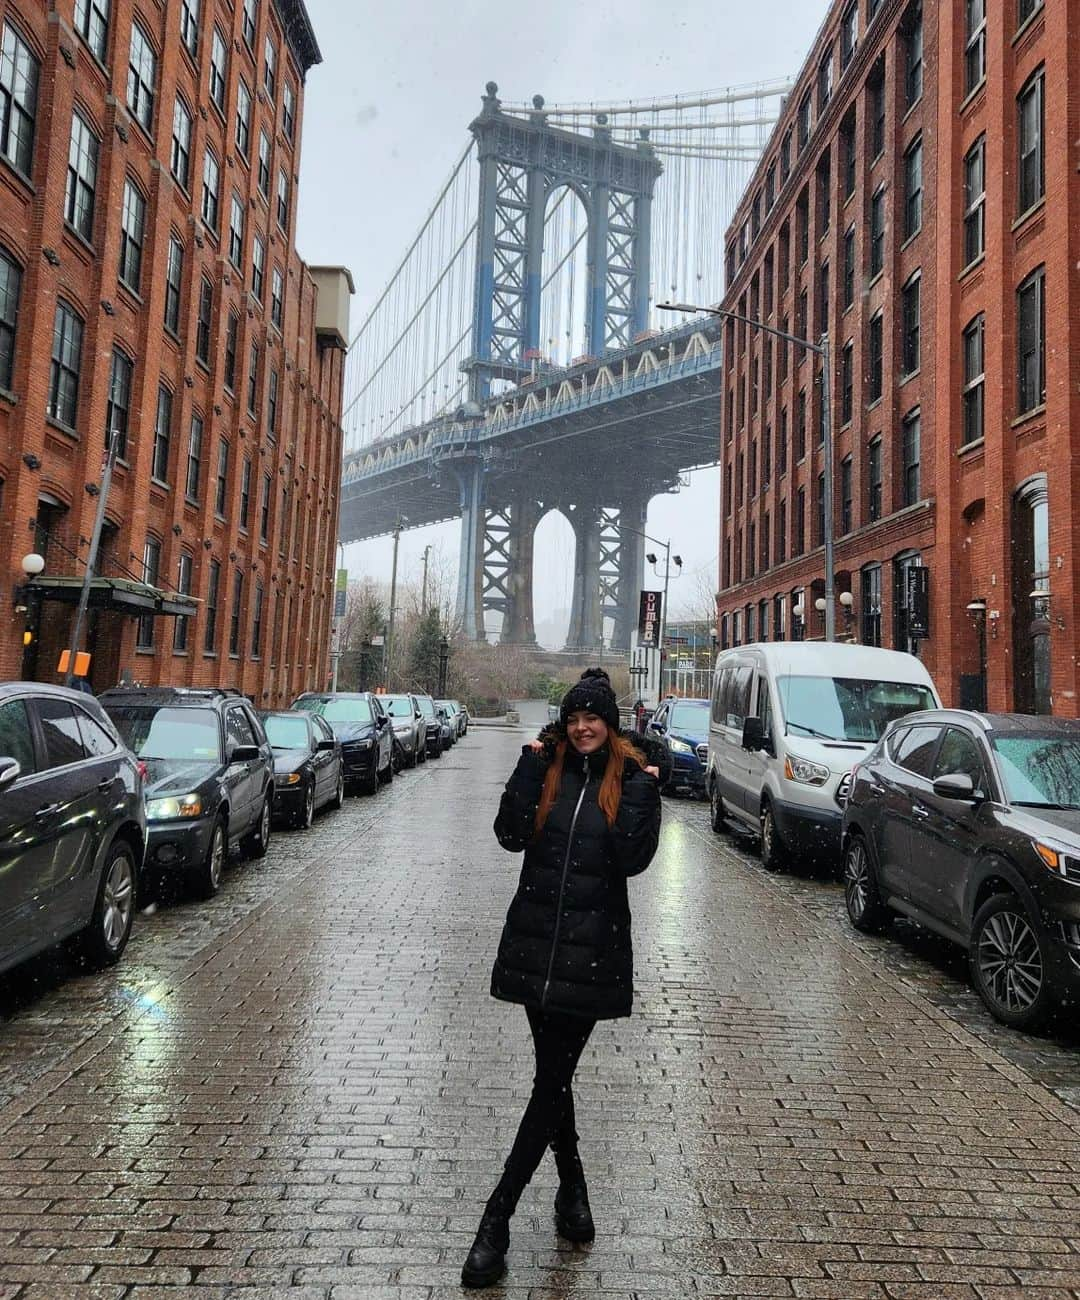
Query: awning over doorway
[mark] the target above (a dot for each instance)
(124, 595)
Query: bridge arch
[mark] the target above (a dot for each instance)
(564, 274)
(554, 552)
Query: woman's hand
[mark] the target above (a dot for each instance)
(653, 771)
(536, 746)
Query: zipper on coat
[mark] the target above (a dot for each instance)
(562, 882)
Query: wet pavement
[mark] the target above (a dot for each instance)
(303, 1089)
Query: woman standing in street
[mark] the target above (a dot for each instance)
(586, 810)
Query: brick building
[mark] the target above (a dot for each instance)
(150, 291)
(919, 202)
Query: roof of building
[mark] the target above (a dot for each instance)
(299, 32)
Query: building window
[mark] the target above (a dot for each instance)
(174, 274)
(272, 404)
(257, 622)
(975, 201)
(245, 493)
(253, 379)
(92, 24)
(877, 232)
(847, 504)
(874, 481)
(782, 442)
(118, 407)
(248, 23)
(766, 457)
(232, 332)
(282, 199)
(204, 322)
(283, 519)
(211, 187)
(180, 158)
(258, 267)
(19, 72)
(770, 187)
(785, 156)
(975, 44)
(219, 62)
(779, 618)
(237, 607)
(800, 425)
(10, 289)
(1031, 332)
(825, 79)
(848, 151)
(270, 68)
(802, 226)
(911, 449)
(183, 587)
(875, 359)
(872, 7)
(162, 435)
(144, 638)
(288, 110)
(132, 229)
(213, 589)
(875, 88)
(800, 522)
(913, 56)
(264, 510)
(781, 533)
(189, 26)
(804, 121)
(65, 366)
(902, 640)
(913, 188)
(194, 460)
(847, 382)
(849, 33)
(81, 177)
(910, 325)
(849, 267)
(870, 604)
(243, 117)
(221, 495)
(142, 77)
(824, 181)
(236, 232)
(974, 379)
(819, 512)
(823, 299)
(1030, 141)
(277, 297)
(1031, 576)
(264, 165)
(1024, 10)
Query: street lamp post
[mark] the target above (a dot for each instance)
(444, 658)
(820, 349)
(401, 519)
(653, 559)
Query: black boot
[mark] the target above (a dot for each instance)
(486, 1262)
(573, 1218)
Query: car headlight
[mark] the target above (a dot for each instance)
(681, 747)
(184, 805)
(805, 772)
(1058, 860)
(362, 744)
(287, 778)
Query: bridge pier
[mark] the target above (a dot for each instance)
(518, 626)
(470, 606)
(585, 610)
(632, 517)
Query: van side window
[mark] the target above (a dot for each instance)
(739, 696)
(720, 694)
(764, 706)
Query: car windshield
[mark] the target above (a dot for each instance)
(427, 706)
(398, 706)
(848, 708)
(338, 708)
(150, 731)
(1040, 770)
(448, 705)
(286, 733)
(691, 716)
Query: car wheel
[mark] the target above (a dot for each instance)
(339, 792)
(717, 815)
(387, 774)
(1008, 963)
(865, 910)
(306, 816)
(411, 759)
(421, 751)
(436, 751)
(773, 849)
(259, 840)
(106, 936)
(372, 781)
(206, 879)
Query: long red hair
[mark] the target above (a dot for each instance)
(619, 750)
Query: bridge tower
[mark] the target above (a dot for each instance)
(523, 160)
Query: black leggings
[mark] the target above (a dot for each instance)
(549, 1117)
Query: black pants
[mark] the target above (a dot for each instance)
(549, 1117)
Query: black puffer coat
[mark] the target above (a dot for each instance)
(566, 944)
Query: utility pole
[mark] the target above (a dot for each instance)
(91, 559)
(423, 589)
(393, 602)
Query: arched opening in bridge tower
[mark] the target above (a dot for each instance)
(564, 277)
(553, 579)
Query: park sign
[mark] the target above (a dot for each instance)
(341, 592)
(651, 607)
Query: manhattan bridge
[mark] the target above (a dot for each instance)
(515, 363)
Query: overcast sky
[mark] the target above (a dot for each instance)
(386, 117)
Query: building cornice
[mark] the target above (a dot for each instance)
(299, 32)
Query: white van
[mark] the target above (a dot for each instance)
(789, 720)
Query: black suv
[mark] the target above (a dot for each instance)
(209, 776)
(72, 826)
(363, 726)
(969, 823)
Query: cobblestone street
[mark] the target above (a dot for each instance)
(303, 1088)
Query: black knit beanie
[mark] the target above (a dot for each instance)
(592, 694)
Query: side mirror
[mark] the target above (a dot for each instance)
(753, 734)
(10, 771)
(326, 746)
(957, 785)
(244, 754)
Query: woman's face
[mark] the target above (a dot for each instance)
(587, 732)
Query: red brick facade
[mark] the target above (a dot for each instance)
(985, 497)
(271, 639)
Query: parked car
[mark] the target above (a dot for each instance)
(432, 725)
(72, 826)
(457, 717)
(363, 728)
(209, 776)
(449, 726)
(789, 720)
(464, 717)
(682, 727)
(410, 729)
(970, 824)
(308, 768)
